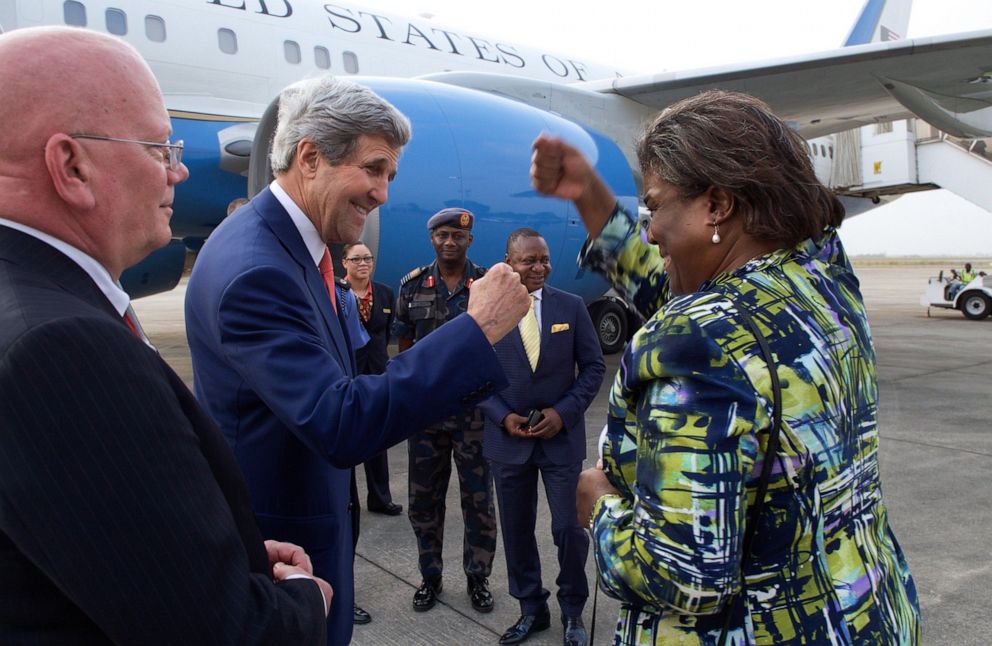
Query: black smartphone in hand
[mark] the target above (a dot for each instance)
(534, 418)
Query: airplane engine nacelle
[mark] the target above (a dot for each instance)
(160, 271)
(472, 149)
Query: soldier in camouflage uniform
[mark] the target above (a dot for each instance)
(430, 296)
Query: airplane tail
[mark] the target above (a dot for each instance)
(880, 20)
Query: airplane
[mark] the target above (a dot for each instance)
(476, 105)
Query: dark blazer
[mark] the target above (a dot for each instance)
(273, 366)
(123, 515)
(371, 359)
(568, 342)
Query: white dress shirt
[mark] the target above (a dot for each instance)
(110, 288)
(309, 233)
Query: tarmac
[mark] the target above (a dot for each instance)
(936, 462)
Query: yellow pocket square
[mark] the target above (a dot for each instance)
(558, 327)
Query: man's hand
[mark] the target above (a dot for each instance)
(548, 427)
(515, 424)
(561, 170)
(291, 561)
(593, 485)
(498, 301)
(283, 572)
(288, 554)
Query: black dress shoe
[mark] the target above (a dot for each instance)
(362, 617)
(426, 595)
(478, 592)
(391, 509)
(575, 631)
(525, 626)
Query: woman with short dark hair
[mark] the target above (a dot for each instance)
(747, 253)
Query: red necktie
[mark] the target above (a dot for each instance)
(326, 268)
(131, 324)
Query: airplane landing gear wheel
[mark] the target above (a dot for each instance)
(610, 322)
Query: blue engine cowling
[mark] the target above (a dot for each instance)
(469, 148)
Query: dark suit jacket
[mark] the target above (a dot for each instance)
(372, 358)
(273, 366)
(123, 515)
(568, 343)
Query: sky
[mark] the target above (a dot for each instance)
(664, 35)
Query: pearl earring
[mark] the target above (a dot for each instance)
(716, 234)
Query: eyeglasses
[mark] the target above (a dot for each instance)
(172, 152)
(359, 260)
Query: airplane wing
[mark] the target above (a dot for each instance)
(945, 80)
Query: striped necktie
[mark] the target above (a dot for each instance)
(327, 273)
(530, 334)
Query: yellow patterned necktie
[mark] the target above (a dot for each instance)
(530, 334)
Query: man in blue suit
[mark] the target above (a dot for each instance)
(536, 425)
(271, 360)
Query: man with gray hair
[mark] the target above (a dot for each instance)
(271, 360)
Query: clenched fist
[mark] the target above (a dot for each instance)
(558, 169)
(498, 301)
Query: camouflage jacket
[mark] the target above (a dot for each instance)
(424, 302)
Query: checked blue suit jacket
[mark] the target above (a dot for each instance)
(569, 372)
(275, 369)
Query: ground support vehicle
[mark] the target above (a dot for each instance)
(974, 299)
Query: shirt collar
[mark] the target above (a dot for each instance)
(98, 273)
(311, 237)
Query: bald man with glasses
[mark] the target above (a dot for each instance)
(123, 515)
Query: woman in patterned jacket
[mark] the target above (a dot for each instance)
(738, 221)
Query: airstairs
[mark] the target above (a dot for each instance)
(905, 156)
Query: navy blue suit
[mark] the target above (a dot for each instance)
(273, 366)
(123, 515)
(568, 375)
(371, 360)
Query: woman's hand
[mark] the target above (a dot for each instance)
(593, 485)
(561, 170)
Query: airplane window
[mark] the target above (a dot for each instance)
(116, 22)
(155, 29)
(350, 62)
(813, 146)
(74, 13)
(291, 49)
(831, 152)
(227, 40)
(322, 57)
(823, 150)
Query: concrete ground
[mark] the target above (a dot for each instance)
(936, 460)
